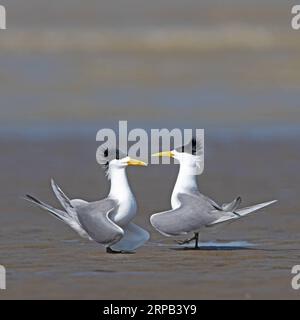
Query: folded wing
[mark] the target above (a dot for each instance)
(194, 213)
(197, 211)
(95, 219)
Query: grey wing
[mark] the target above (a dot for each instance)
(232, 206)
(194, 213)
(205, 198)
(226, 207)
(95, 220)
(240, 213)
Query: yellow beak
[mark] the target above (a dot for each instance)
(168, 154)
(133, 162)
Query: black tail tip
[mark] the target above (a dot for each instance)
(31, 198)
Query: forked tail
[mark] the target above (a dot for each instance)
(240, 213)
(59, 214)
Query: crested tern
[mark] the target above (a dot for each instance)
(192, 211)
(108, 221)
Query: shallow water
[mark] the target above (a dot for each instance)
(247, 259)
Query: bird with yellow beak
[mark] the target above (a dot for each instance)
(108, 221)
(192, 211)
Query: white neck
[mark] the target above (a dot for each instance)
(119, 188)
(186, 183)
(121, 192)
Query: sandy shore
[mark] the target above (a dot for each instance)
(45, 259)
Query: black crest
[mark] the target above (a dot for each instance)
(105, 155)
(194, 147)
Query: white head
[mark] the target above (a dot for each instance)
(114, 159)
(189, 157)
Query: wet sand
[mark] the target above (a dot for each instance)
(45, 259)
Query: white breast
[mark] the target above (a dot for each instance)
(174, 200)
(122, 194)
(126, 212)
(186, 183)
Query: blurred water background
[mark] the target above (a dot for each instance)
(69, 68)
(226, 64)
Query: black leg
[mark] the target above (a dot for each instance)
(195, 237)
(181, 242)
(196, 240)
